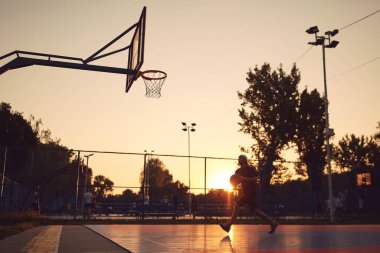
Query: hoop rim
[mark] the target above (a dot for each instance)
(142, 74)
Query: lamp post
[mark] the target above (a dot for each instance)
(147, 185)
(86, 173)
(325, 42)
(188, 129)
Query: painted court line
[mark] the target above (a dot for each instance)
(47, 241)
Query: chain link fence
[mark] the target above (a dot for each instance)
(13, 195)
(54, 182)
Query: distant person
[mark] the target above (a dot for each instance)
(248, 176)
(194, 206)
(175, 206)
(146, 200)
(36, 202)
(88, 202)
(330, 206)
(360, 206)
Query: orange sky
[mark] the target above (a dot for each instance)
(206, 47)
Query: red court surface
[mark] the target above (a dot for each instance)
(243, 238)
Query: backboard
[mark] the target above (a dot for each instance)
(135, 57)
(136, 50)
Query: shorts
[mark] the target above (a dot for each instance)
(247, 200)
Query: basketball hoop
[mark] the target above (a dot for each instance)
(153, 79)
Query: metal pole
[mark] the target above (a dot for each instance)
(188, 134)
(189, 128)
(3, 174)
(327, 136)
(86, 174)
(77, 188)
(143, 190)
(205, 187)
(85, 180)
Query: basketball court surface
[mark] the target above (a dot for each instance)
(195, 238)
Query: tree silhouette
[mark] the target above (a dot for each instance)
(310, 136)
(268, 113)
(102, 186)
(354, 152)
(160, 182)
(310, 141)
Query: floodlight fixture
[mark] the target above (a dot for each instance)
(312, 30)
(183, 123)
(193, 124)
(318, 41)
(184, 129)
(333, 44)
(332, 33)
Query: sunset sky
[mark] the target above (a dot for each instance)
(206, 48)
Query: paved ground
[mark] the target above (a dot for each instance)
(62, 239)
(195, 238)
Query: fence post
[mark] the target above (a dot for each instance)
(205, 190)
(143, 190)
(77, 188)
(3, 174)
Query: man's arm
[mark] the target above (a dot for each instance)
(252, 177)
(249, 179)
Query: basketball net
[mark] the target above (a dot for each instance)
(153, 79)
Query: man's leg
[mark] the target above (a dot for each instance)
(234, 214)
(262, 215)
(227, 226)
(273, 224)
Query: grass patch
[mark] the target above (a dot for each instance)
(15, 229)
(15, 222)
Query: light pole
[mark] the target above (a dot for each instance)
(321, 41)
(86, 173)
(147, 185)
(188, 129)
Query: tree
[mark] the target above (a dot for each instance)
(18, 137)
(310, 136)
(310, 141)
(32, 152)
(377, 135)
(374, 147)
(128, 195)
(357, 155)
(354, 152)
(160, 181)
(14, 129)
(268, 113)
(34, 158)
(102, 186)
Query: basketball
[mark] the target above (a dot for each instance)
(235, 180)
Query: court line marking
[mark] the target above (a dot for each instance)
(46, 241)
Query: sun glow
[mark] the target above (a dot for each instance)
(221, 180)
